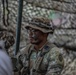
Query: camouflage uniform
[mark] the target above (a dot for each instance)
(69, 54)
(45, 61)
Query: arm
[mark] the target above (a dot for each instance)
(21, 65)
(56, 62)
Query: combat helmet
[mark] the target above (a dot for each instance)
(42, 24)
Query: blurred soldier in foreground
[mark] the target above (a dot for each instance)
(40, 57)
(5, 61)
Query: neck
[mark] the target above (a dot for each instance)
(40, 45)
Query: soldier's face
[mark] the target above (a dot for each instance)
(35, 36)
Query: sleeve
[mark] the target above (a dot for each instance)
(19, 63)
(56, 62)
(20, 58)
(22, 65)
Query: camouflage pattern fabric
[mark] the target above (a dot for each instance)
(70, 62)
(8, 38)
(43, 24)
(46, 61)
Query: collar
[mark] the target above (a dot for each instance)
(44, 48)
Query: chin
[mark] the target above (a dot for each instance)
(32, 42)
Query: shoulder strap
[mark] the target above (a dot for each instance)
(46, 49)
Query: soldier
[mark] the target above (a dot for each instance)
(40, 57)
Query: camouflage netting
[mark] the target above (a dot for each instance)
(64, 35)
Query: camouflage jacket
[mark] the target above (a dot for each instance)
(46, 61)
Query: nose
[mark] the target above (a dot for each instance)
(31, 34)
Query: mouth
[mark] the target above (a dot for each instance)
(32, 39)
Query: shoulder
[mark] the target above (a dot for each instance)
(54, 53)
(56, 56)
(24, 50)
(53, 48)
